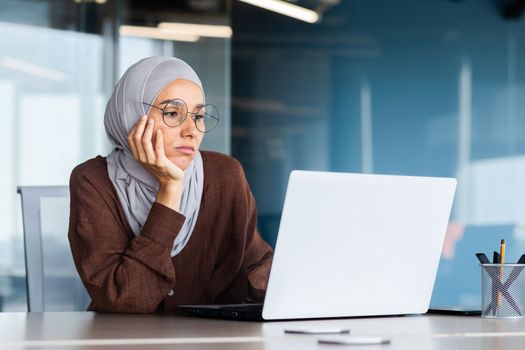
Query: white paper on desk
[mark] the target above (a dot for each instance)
(317, 330)
(354, 340)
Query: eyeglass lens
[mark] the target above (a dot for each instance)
(175, 111)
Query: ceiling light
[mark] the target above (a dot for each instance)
(33, 69)
(156, 33)
(207, 30)
(286, 9)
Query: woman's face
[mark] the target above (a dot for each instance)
(183, 141)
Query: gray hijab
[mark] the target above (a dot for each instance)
(135, 186)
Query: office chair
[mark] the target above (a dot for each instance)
(53, 283)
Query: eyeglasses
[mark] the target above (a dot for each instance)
(175, 111)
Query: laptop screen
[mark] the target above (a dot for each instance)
(345, 245)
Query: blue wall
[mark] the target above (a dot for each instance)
(415, 87)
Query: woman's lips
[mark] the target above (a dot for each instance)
(185, 149)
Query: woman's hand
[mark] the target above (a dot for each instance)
(153, 159)
(258, 282)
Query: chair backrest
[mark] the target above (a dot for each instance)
(52, 280)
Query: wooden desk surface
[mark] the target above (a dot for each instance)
(87, 330)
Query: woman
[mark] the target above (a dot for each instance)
(157, 223)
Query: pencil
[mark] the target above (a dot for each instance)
(502, 251)
(502, 261)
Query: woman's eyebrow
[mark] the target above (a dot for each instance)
(197, 106)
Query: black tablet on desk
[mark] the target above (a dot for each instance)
(455, 311)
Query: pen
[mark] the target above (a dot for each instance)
(495, 260)
(483, 258)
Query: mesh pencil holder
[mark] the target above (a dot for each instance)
(503, 290)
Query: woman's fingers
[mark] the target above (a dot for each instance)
(159, 147)
(172, 170)
(147, 143)
(137, 139)
(132, 143)
(150, 152)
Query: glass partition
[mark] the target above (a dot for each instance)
(63, 290)
(59, 60)
(409, 87)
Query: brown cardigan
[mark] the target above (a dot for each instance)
(124, 273)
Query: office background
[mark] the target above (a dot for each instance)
(412, 87)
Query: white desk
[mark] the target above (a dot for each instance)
(87, 330)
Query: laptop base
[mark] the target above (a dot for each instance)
(243, 312)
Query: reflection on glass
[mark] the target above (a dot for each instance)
(371, 89)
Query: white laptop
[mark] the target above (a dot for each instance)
(352, 245)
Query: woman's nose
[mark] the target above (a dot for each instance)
(188, 126)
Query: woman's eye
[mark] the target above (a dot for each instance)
(171, 114)
(199, 116)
